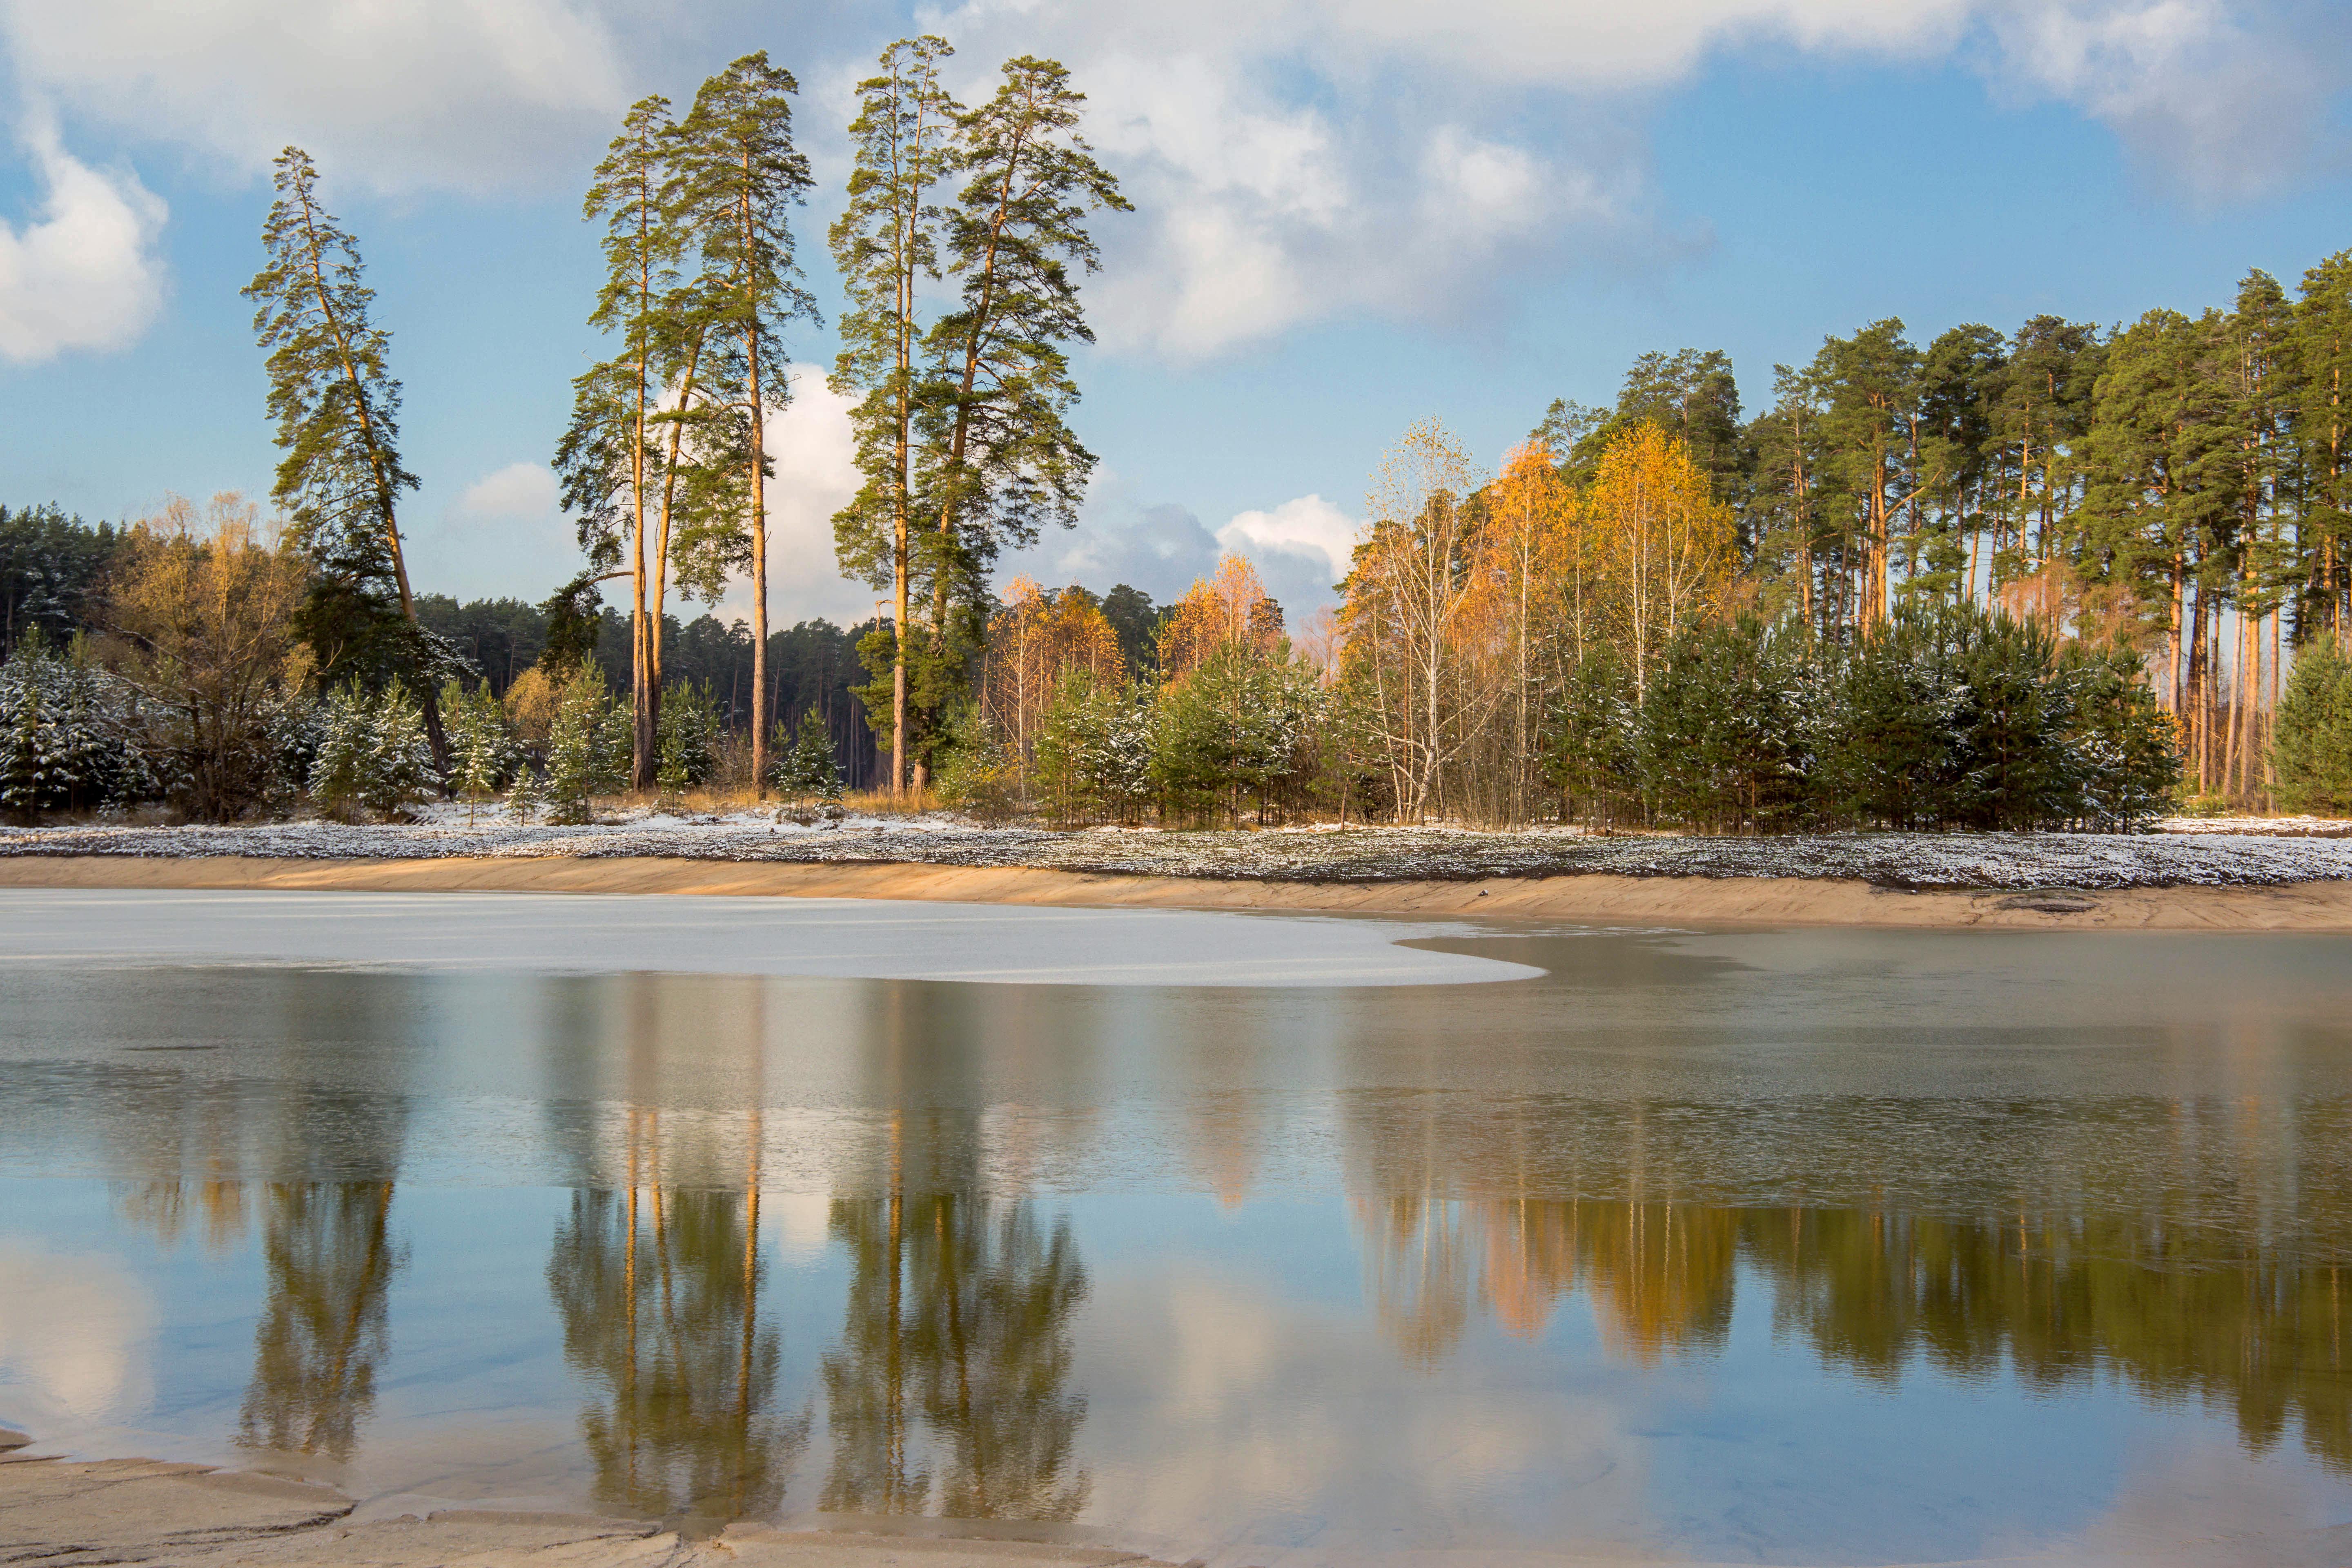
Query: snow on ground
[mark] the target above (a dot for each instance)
(2203, 852)
(2264, 827)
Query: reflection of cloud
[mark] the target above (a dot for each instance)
(1260, 1406)
(76, 1326)
(801, 1222)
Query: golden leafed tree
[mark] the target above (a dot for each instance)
(1033, 639)
(1411, 584)
(201, 607)
(1228, 606)
(1526, 577)
(1665, 546)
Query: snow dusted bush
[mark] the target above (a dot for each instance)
(2313, 754)
(804, 768)
(373, 756)
(483, 752)
(588, 746)
(981, 774)
(66, 733)
(686, 745)
(1094, 749)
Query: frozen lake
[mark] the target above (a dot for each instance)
(1256, 1240)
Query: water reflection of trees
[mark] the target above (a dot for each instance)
(2167, 1296)
(329, 1257)
(949, 1391)
(659, 1282)
(658, 1291)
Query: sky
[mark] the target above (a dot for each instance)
(1349, 215)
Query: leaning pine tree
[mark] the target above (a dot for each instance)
(337, 409)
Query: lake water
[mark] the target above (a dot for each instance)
(1800, 1247)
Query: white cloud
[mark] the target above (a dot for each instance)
(519, 490)
(2214, 105)
(464, 93)
(83, 274)
(1297, 161)
(1309, 528)
(1293, 161)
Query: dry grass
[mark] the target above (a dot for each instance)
(719, 799)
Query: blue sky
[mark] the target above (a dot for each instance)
(1349, 217)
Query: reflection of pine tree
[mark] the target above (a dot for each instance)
(959, 1318)
(331, 1260)
(659, 1290)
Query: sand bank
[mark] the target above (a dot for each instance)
(2319, 906)
(60, 1512)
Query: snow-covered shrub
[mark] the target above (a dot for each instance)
(2313, 753)
(372, 757)
(1238, 732)
(483, 752)
(1722, 743)
(979, 773)
(687, 739)
(1589, 741)
(66, 733)
(804, 767)
(1094, 749)
(588, 742)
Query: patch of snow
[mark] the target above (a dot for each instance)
(2260, 826)
(1317, 854)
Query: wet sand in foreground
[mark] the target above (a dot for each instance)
(2317, 906)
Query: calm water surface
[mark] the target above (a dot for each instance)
(1823, 1247)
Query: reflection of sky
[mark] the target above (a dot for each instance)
(1243, 1399)
(1363, 1272)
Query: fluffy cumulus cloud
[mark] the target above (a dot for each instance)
(472, 94)
(1302, 160)
(82, 272)
(1293, 161)
(2216, 100)
(1300, 548)
(517, 490)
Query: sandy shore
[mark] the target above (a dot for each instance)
(61, 1513)
(1599, 897)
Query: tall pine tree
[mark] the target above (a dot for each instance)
(1005, 460)
(741, 176)
(886, 244)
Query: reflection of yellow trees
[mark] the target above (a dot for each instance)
(950, 1390)
(1659, 1275)
(329, 1260)
(659, 1290)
